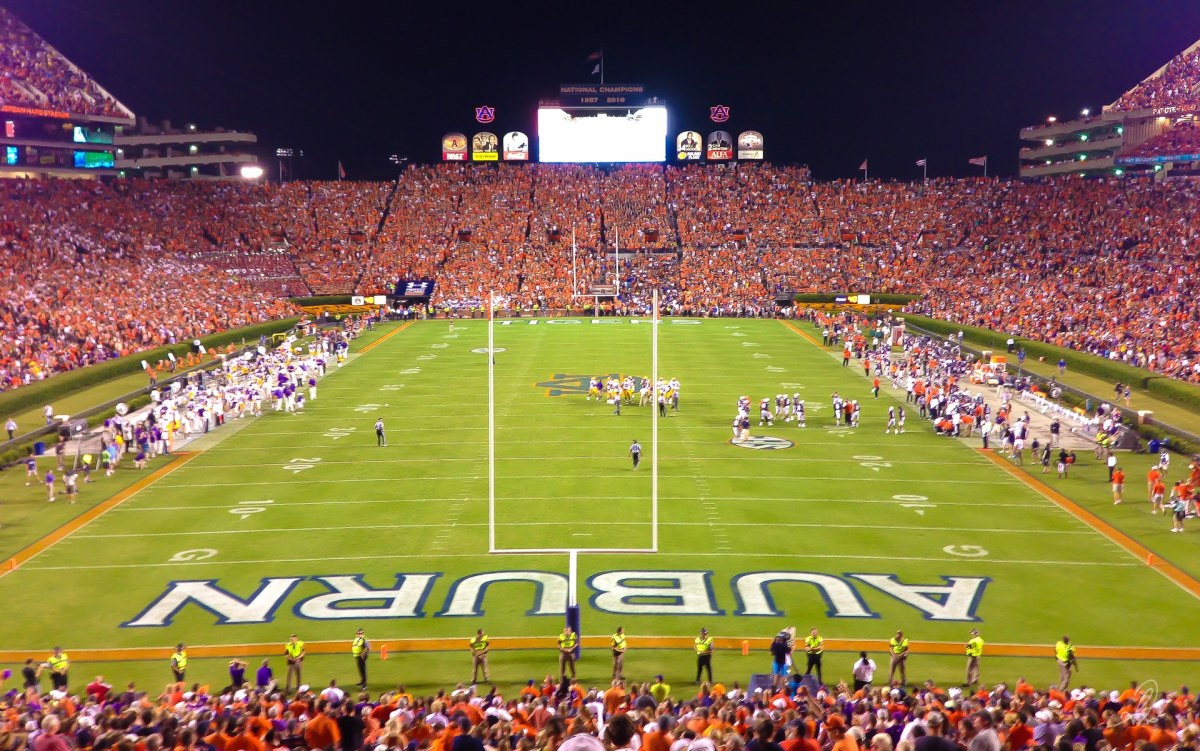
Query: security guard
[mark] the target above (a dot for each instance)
(974, 652)
(704, 650)
(479, 653)
(179, 663)
(814, 646)
(294, 652)
(898, 647)
(618, 652)
(59, 664)
(567, 642)
(360, 648)
(1064, 652)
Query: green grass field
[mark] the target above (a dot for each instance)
(300, 523)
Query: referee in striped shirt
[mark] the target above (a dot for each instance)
(635, 450)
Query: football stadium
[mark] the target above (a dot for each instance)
(617, 434)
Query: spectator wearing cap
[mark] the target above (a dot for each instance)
(985, 738)
(704, 651)
(179, 661)
(660, 690)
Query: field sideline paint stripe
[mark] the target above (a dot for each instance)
(518, 478)
(367, 348)
(731, 643)
(518, 551)
(1114, 535)
(30, 552)
(447, 526)
(760, 456)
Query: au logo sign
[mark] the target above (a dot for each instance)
(624, 592)
(763, 443)
(572, 383)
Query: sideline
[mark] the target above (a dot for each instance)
(1140, 552)
(367, 348)
(34, 549)
(758, 644)
(1114, 535)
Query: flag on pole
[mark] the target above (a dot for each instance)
(341, 171)
(863, 166)
(596, 70)
(595, 56)
(979, 161)
(920, 162)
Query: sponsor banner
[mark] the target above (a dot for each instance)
(1175, 109)
(454, 147)
(750, 145)
(602, 94)
(1128, 160)
(606, 320)
(414, 288)
(602, 290)
(485, 147)
(516, 146)
(689, 146)
(357, 300)
(720, 145)
(380, 299)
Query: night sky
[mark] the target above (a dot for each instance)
(827, 85)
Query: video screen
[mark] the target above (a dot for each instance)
(588, 135)
(93, 159)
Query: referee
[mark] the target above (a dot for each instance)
(380, 436)
(635, 450)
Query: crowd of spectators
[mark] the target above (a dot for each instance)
(567, 716)
(96, 269)
(1183, 138)
(1176, 85)
(33, 74)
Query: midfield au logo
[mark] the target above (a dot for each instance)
(570, 383)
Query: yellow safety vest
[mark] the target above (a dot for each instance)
(58, 664)
(975, 647)
(479, 643)
(704, 646)
(358, 646)
(566, 641)
(618, 642)
(180, 660)
(294, 650)
(815, 644)
(1063, 651)
(898, 647)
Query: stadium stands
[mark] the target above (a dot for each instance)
(34, 74)
(566, 715)
(1181, 139)
(1100, 266)
(1177, 85)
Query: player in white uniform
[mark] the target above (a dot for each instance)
(800, 417)
(900, 421)
(764, 412)
(674, 394)
(837, 408)
(854, 414)
(891, 423)
(1164, 462)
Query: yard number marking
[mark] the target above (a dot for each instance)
(299, 464)
(249, 508)
(336, 433)
(871, 462)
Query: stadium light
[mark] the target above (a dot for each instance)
(1049, 141)
(1083, 136)
(1120, 130)
(1052, 119)
(1118, 172)
(1086, 112)
(252, 172)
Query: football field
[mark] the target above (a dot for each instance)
(301, 523)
